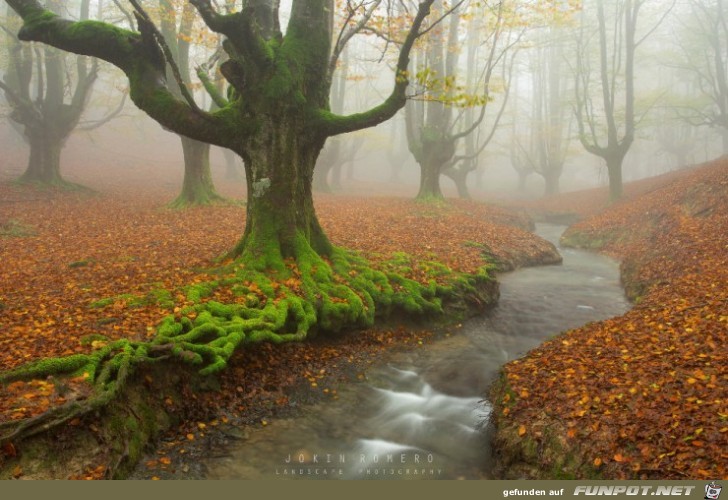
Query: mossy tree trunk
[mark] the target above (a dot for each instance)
(44, 160)
(281, 219)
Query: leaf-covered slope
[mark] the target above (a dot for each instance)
(645, 394)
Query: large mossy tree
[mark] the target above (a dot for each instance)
(277, 117)
(285, 279)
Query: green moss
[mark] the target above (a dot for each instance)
(102, 303)
(16, 229)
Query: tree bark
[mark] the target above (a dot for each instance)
(551, 178)
(614, 171)
(281, 219)
(197, 186)
(44, 161)
(430, 180)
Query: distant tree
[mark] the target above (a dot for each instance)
(439, 119)
(703, 43)
(331, 154)
(177, 20)
(47, 92)
(459, 168)
(549, 124)
(606, 129)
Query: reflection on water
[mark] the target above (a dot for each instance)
(418, 415)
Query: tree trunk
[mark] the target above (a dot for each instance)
(460, 178)
(197, 187)
(429, 181)
(551, 178)
(522, 177)
(281, 219)
(44, 162)
(614, 170)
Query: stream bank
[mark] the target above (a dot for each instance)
(415, 413)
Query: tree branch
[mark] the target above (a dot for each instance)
(335, 124)
(137, 56)
(144, 21)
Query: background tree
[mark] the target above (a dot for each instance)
(606, 129)
(331, 155)
(48, 92)
(177, 23)
(703, 54)
(433, 128)
(549, 124)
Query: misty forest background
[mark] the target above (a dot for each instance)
(537, 64)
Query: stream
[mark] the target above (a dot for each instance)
(420, 413)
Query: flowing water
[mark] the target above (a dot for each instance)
(420, 414)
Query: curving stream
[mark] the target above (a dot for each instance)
(420, 414)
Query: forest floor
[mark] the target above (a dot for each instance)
(63, 251)
(644, 395)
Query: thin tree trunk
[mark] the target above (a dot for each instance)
(614, 170)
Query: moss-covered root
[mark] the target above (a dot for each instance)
(303, 295)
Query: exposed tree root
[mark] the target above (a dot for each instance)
(300, 297)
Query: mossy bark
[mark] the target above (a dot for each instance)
(280, 162)
(429, 181)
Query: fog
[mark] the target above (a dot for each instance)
(677, 115)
